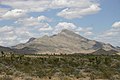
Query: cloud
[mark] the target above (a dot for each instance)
(72, 3)
(111, 36)
(39, 23)
(70, 8)
(85, 31)
(70, 13)
(2, 12)
(23, 29)
(27, 22)
(13, 14)
(10, 35)
(6, 29)
(29, 5)
(88, 33)
(64, 25)
(116, 25)
(36, 24)
(46, 27)
(6, 34)
(44, 18)
(33, 21)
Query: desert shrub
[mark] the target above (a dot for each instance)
(108, 61)
(92, 77)
(65, 65)
(41, 73)
(6, 77)
(28, 78)
(18, 74)
(67, 78)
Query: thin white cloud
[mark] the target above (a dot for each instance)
(71, 13)
(88, 33)
(13, 14)
(85, 31)
(43, 18)
(46, 27)
(27, 22)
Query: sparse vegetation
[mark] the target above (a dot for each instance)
(65, 67)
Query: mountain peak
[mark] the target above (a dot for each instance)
(31, 39)
(67, 31)
(71, 33)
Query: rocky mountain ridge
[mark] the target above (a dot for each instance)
(66, 42)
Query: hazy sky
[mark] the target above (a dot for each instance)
(94, 19)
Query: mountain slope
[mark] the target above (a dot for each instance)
(104, 52)
(64, 42)
(6, 49)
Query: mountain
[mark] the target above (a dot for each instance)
(118, 48)
(104, 52)
(6, 49)
(66, 42)
(31, 39)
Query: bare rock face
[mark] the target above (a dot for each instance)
(66, 42)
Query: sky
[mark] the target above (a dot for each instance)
(94, 19)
